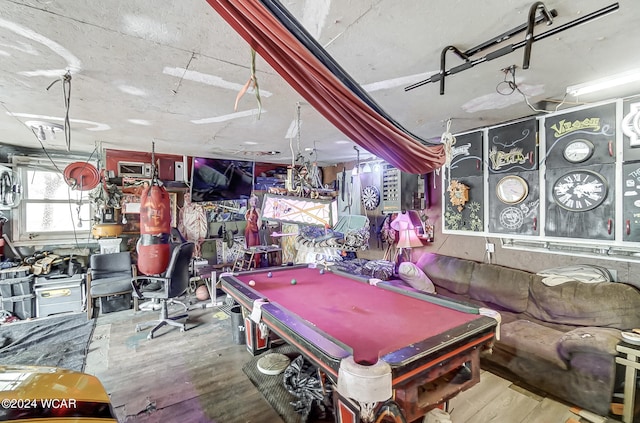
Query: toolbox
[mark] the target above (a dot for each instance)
(59, 294)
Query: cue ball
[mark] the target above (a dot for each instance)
(293, 281)
(269, 274)
(252, 282)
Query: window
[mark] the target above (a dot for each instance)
(50, 211)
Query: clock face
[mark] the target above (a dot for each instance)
(580, 190)
(512, 189)
(578, 151)
(370, 197)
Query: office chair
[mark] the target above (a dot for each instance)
(109, 274)
(171, 284)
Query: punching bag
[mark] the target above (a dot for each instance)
(155, 230)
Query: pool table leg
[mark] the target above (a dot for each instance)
(348, 411)
(255, 342)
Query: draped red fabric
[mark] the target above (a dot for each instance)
(324, 91)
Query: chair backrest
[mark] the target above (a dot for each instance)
(107, 265)
(178, 269)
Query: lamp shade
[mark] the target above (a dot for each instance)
(407, 237)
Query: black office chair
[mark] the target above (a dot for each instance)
(109, 274)
(173, 283)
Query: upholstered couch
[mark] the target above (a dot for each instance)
(559, 339)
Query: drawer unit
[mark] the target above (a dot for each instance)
(59, 295)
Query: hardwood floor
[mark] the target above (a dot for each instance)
(196, 376)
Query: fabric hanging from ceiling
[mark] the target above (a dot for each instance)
(283, 43)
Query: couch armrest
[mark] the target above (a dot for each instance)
(590, 340)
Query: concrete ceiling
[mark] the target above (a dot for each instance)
(169, 71)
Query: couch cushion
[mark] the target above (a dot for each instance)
(604, 304)
(524, 338)
(451, 273)
(415, 277)
(499, 285)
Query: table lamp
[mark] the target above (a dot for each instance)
(407, 237)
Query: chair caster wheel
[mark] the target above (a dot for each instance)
(182, 329)
(150, 336)
(137, 329)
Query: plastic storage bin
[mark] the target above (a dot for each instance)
(16, 286)
(21, 306)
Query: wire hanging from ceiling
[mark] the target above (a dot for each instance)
(66, 94)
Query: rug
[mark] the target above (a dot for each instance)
(273, 390)
(57, 341)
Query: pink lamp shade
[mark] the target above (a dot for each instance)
(407, 236)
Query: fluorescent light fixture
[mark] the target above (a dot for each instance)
(604, 83)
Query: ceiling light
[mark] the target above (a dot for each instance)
(604, 83)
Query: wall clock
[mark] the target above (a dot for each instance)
(458, 194)
(370, 197)
(580, 190)
(578, 151)
(512, 189)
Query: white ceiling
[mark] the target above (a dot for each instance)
(169, 71)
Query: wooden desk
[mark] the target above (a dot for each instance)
(632, 365)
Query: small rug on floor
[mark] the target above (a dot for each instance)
(57, 341)
(273, 389)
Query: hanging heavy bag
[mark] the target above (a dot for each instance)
(155, 230)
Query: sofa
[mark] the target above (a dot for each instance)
(558, 339)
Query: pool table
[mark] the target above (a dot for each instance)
(391, 352)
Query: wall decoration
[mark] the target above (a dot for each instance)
(514, 203)
(462, 207)
(513, 147)
(512, 189)
(569, 136)
(581, 202)
(370, 197)
(578, 151)
(630, 126)
(579, 190)
(466, 155)
(300, 210)
(458, 194)
(631, 202)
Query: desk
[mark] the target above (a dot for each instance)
(632, 365)
(269, 255)
(208, 274)
(404, 347)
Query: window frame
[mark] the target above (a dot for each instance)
(76, 235)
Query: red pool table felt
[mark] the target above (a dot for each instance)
(371, 320)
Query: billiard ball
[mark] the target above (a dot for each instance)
(252, 282)
(293, 281)
(269, 274)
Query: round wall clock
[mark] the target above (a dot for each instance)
(512, 189)
(578, 151)
(580, 190)
(370, 197)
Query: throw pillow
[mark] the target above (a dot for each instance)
(415, 277)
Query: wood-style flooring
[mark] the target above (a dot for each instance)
(196, 376)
